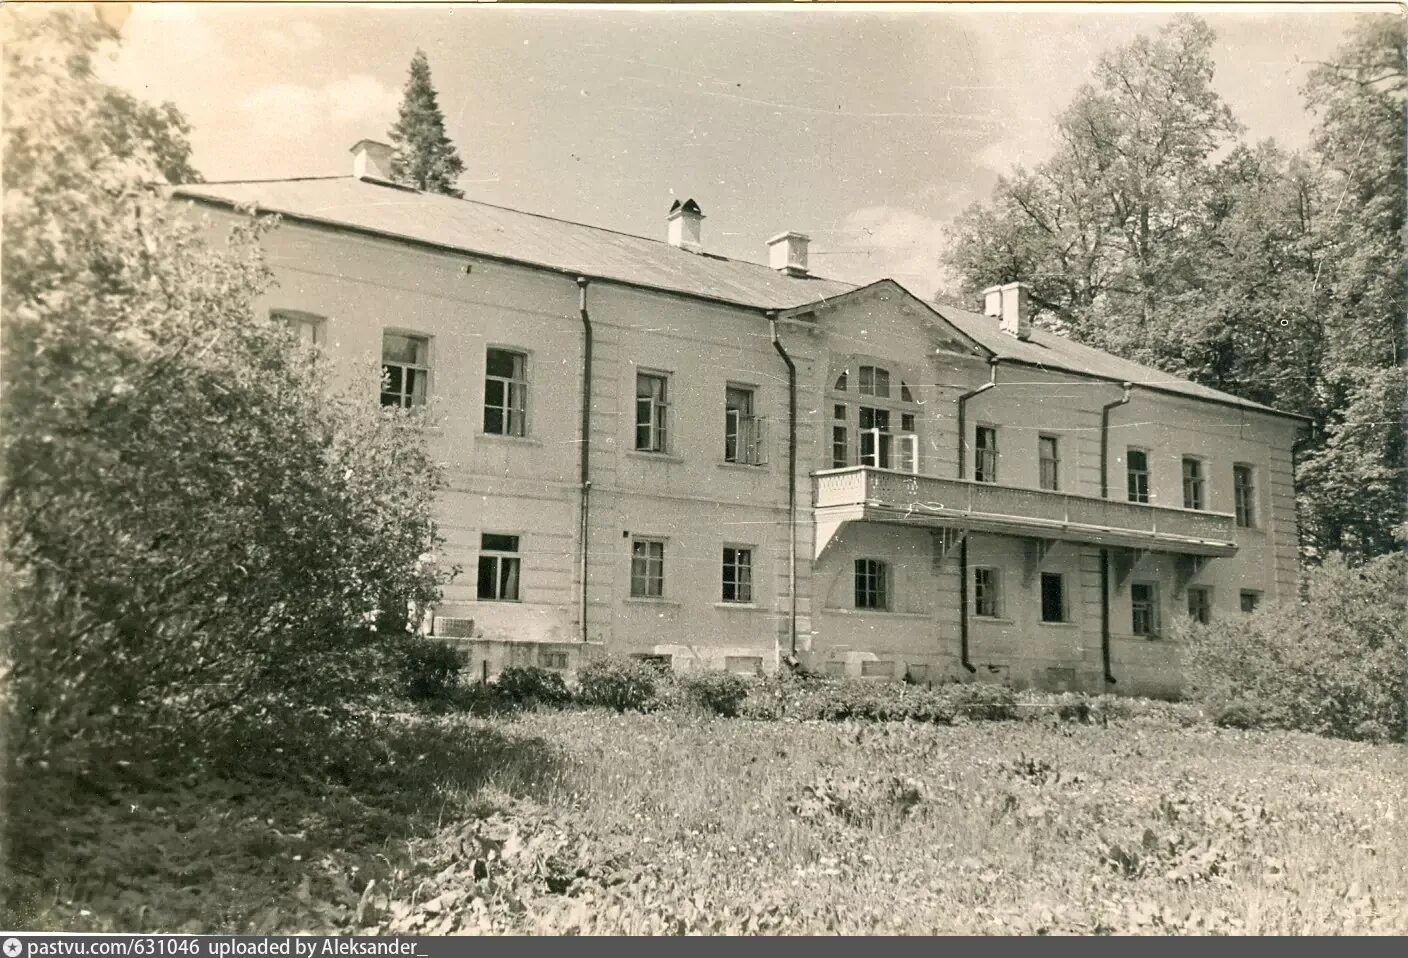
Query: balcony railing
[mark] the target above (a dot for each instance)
(883, 495)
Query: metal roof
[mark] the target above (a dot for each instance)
(495, 231)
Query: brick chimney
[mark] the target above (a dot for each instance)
(683, 225)
(371, 160)
(1011, 305)
(787, 253)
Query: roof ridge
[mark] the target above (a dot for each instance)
(271, 179)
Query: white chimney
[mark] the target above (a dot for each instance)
(787, 252)
(1011, 306)
(371, 160)
(684, 219)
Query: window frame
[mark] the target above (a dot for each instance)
(747, 440)
(874, 595)
(994, 586)
(658, 424)
(1054, 460)
(510, 386)
(1148, 608)
(1202, 614)
(1065, 603)
(878, 375)
(423, 367)
(1137, 481)
(499, 559)
(297, 320)
(742, 583)
(840, 436)
(1244, 495)
(1195, 491)
(648, 559)
(985, 457)
(882, 438)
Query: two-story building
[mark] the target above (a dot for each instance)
(657, 451)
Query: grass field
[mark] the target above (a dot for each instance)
(592, 822)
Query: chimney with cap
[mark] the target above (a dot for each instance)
(684, 219)
(371, 160)
(787, 253)
(1012, 307)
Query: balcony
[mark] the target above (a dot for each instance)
(881, 495)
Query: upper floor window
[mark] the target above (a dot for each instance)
(985, 458)
(875, 438)
(1048, 450)
(840, 441)
(742, 435)
(652, 412)
(738, 574)
(1137, 471)
(308, 327)
(987, 593)
(1199, 604)
(871, 591)
(874, 381)
(647, 568)
(506, 393)
(841, 381)
(405, 369)
(1192, 483)
(499, 565)
(1244, 495)
(1144, 608)
(1053, 597)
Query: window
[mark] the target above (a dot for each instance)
(1144, 609)
(404, 369)
(875, 438)
(906, 422)
(498, 568)
(1251, 601)
(905, 394)
(1053, 597)
(840, 386)
(1192, 483)
(741, 438)
(874, 381)
(505, 393)
(306, 326)
(551, 659)
(987, 593)
(652, 412)
(840, 442)
(647, 569)
(985, 462)
(1244, 496)
(1137, 468)
(738, 574)
(1199, 605)
(1048, 454)
(870, 584)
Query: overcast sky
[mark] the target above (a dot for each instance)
(867, 128)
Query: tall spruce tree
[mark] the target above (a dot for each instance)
(424, 156)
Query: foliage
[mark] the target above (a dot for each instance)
(423, 155)
(817, 698)
(1336, 665)
(717, 692)
(430, 669)
(520, 686)
(1153, 232)
(623, 684)
(195, 525)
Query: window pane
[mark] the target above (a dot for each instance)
(398, 348)
(841, 382)
(501, 362)
(493, 392)
(838, 411)
(508, 578)
(1053, 608)
(495, 542)
(393, 378)
(488, 567)
(882, 383)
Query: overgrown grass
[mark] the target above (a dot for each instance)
(594, 822)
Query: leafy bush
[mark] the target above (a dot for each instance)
(430, 669)
(986, 703)
(815, 698)
(716, 692)
(1335, 664)
(521, 686)
(626, 685)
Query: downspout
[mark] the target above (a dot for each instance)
(791, 486)
(963, 544)
(1105, 553)
(585, 450)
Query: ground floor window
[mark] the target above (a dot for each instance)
(647, 569)
(1144, 609)
(1199, 605)
(738, 574)
(1251, 600)
(499, 564)
(987, 596)
(870, 584)
(1053, 597)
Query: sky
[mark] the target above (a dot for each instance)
(866, 127)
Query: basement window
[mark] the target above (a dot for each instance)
(1251, 601)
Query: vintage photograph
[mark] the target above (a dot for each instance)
(716, 469)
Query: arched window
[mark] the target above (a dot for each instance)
(882, 422)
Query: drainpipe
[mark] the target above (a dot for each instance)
(585, 449)
(791, 484)
(1105, 553)
(963, 545)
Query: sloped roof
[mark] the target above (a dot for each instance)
(473, 227)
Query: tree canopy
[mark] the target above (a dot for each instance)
(423, 155)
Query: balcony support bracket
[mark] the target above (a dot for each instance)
(1034, 552)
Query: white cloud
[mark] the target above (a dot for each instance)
(886, 241)
(292, 109)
